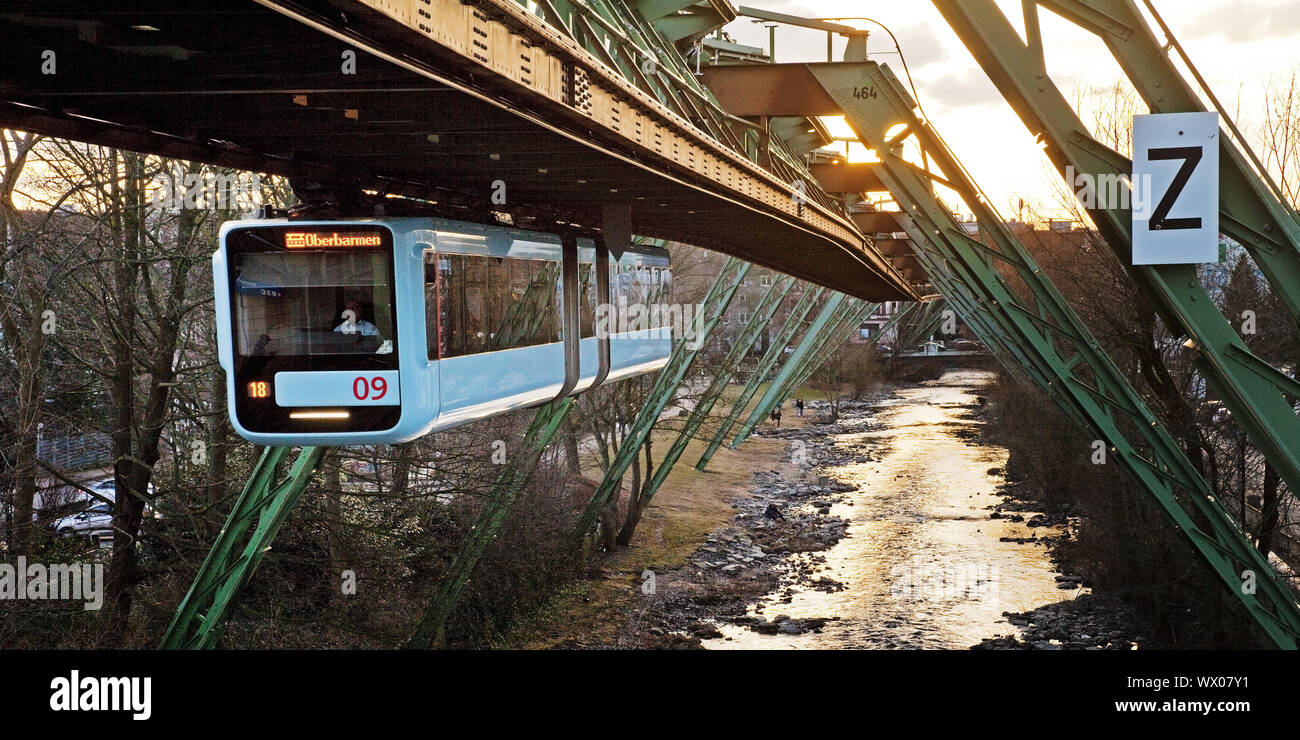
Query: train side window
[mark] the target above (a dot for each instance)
(650, 287)
(588, 301)
(484, 304)
(432, 307)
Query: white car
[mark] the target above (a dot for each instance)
(108, 489)
(95, 523)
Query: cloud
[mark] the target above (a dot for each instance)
(968, 87)
(1247, 20)
(921, 45)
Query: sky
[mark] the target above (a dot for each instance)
(1239, 46)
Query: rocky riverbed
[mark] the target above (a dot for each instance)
(758, 555)
(897, 530)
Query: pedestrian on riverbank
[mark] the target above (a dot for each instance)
(798, 407)
(777, 416)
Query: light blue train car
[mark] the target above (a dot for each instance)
(384, 330)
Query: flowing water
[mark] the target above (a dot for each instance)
(922, 564)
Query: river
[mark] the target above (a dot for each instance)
(922, 564)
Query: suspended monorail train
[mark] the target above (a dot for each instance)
(383, 330)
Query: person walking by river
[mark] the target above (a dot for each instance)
(798, 407)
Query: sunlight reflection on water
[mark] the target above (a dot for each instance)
(922, 563)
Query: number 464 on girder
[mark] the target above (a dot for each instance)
(1175, 188)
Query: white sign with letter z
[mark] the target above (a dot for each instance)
(1175, 188)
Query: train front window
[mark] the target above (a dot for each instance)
(313, 312)
(313, 303)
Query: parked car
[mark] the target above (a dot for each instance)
(95, 523)
(108, 489)
(79, 502)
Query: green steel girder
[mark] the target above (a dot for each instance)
(831, 315)
(687, 27)
(260, 510)
(1258, 395)
(653, 10)
(791, 128)
(850, 324)
(763, 313)
(1012, 358)
(835, 340)
(621, 36)
(500, 502)
(851, 313)
(929, 320)
(771, 358)
(989, 326)
(665, 386)
(1252, 210)
(1051, 338)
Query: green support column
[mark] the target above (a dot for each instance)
(1051, 338)
(927, 322)
(854, 313)
(771, 358)
(763, 313)
(1259, 396)
(802, 353)
(258, 513)
(431, 631)
(665, 386)
(832, 346)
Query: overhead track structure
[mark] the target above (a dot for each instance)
(583, 111)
